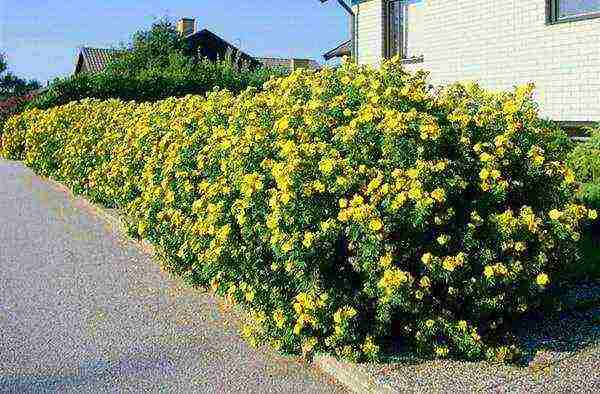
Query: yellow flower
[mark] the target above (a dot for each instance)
(356, 201)
(385, 261)
(276, 344)
(485, 157)
(592, 214)
(555, 214)
(344, 216)
(441, 351)
(279, 318)
(484, 174)
(448, 264)
(426, 258)
(287, 246)
(338, 330)
(443, 239)
(369, 347)
(350, 312)
(309, 238)
(500, 269)
(376, 224)
(520, 246)
(488, 271)
(415, 193)
(247, 330)
(425, 282)
(142, 227)
(326, 166)
(309, 344)
(569, 176)
(462, 325)
(542, 279)
(298, 328)
(429, 323)
(319, 186)
(343, 203)
(439, 195)
(576, 236)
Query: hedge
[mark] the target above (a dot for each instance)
(341, 207)
(153, 84)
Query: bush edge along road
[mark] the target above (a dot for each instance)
(380, 378)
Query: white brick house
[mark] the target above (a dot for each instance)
(554, 43)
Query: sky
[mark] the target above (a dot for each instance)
(41, 37)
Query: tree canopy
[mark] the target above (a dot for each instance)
(10, 84)
(161, 47)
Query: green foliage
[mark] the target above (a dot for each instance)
(559, 143)
(11, 85)
(334, 205)
(159, 48)
(584, 160)
(153, 84)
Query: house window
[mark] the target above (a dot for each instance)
(405, 29)
(569, 10)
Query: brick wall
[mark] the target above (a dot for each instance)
(499, 44)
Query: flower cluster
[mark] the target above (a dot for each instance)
(333, 205)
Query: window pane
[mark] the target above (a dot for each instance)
(394, 29)
(406, 28)
(570, 8)
(413, 31)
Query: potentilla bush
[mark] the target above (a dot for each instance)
(340, 207)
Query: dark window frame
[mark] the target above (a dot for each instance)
(552, 14)
(387, 35)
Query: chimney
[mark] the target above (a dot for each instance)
(186, 26)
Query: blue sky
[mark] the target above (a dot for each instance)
(40, 37)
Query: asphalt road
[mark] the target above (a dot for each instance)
(83, 309)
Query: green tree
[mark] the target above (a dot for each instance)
(11, 85)
(2, 63)
(159, 48)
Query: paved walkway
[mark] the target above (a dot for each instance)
(83, 309)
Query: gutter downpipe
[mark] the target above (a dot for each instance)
(352, 29)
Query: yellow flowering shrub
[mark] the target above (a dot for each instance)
(334, 205)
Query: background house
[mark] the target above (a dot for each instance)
(554, 43)
(94, 59)
(204, 43)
